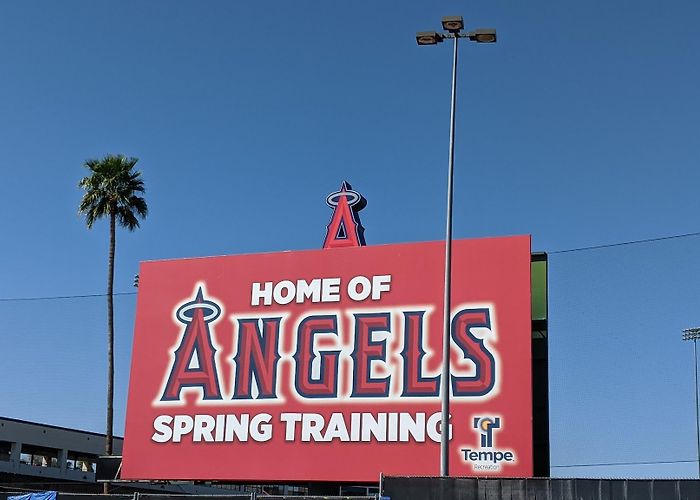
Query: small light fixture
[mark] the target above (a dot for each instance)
(428, 37)
(453, 24)
(483, 35)
(691, 334)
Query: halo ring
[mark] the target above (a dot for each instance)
(353, 197)
(213, 311)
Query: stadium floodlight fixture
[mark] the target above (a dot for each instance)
(483, 35)
(691, 334)
(453, 25)
(429, 38)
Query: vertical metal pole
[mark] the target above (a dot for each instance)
(446, 338)
(697, 408)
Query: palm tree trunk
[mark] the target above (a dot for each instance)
(110, 340)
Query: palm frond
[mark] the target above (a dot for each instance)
(113, 188)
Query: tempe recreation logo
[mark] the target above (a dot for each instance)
(487, 457)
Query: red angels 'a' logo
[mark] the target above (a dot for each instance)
(345, 228)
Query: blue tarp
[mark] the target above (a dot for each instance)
(42, 495)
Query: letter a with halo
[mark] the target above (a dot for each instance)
(345, 228)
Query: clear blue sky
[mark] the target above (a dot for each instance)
(580, 127)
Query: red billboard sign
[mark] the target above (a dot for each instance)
(325, 365)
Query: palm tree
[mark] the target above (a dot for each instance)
(112, 190)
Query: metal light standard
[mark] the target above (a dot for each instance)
(453, 26)
(694, 334)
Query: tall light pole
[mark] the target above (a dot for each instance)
(694, 334)
(452, 26)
